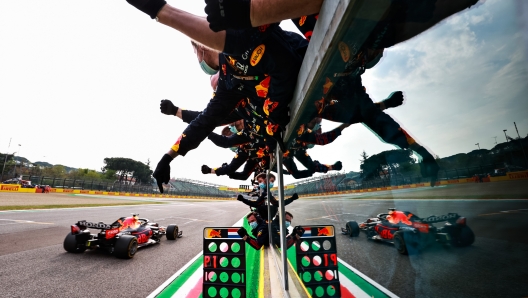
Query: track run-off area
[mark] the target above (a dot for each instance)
(34, 263)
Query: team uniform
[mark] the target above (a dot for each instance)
(258, 72)
(346, 100)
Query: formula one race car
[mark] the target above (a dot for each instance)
(410, 233)
(122, 238)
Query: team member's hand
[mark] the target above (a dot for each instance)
(228, 14)
(206, 169)
(240, 198)
(242, 232)
(394, 100)
(295, 196)
(162, 172)
(298, 231)
(150, 7)
(168, 108)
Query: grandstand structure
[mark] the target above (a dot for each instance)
(321, 184)
(188, 187)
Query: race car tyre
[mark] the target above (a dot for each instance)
(172, 232)
(126, 247)
(399, 243)
(352, 228)
(70, 244)
(462, 237)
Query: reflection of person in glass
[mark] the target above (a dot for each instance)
(260, 204)
(292, 238)
(259, 230)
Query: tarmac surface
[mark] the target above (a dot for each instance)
(34, 263)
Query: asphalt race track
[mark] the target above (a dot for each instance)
(496, 265)
(34, 264)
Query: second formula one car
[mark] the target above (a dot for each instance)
(121, 238)
(410, 233)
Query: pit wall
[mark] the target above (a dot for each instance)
(522, 175)
(18, 188)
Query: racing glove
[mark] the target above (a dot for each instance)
(230, 14)
(150, 7)
(206, 169)
(162, 172)
(295, 197)
(242, 232)
(240, 198)
(395, 99)
(298, 230)
(168, 108)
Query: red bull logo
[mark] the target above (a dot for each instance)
(214, 234)
(396, 217)
(272, 128)
(224, 69)
(231, 60)
(262, 88)
(269, 106)
(257, 54)
(302, 21)
(261, 153)
(176, 146)
(326, 231)
(327, 85)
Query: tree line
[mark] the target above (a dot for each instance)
(116, 169)
(508, 155)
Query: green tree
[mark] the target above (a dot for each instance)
(126, 167)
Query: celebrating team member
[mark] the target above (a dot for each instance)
(260, 64)
(259, 230)
(403, 19)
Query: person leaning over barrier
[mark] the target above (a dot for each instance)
(259, 230)
(403, 20)
(259, 64)
(292, 238)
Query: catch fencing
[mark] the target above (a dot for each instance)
(180, 187)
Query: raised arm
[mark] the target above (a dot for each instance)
(241, 14)
(195, 27)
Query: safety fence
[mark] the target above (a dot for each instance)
(344, 182)
(176, 187)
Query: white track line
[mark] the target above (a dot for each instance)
(368, 279)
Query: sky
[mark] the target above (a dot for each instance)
(82, 80)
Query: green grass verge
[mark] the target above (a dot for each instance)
(27, 207)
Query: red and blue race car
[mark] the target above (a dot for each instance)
(121, 238)
(410, 233)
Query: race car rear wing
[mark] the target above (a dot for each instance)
(83, 224)
(450, 217)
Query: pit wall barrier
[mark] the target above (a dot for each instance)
(510, 176)
(18, 188)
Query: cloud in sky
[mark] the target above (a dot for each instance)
(82, 81)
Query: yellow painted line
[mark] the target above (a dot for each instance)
(298, 278)
(261, 275)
